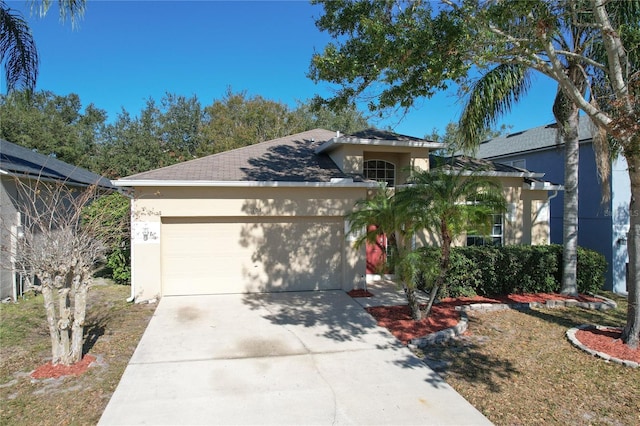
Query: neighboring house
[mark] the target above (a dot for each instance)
(26, 165)
(602, 226)
(271, 216)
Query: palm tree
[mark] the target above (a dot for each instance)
(380, 215)
(447, 202)
(444, 202)
(494, 94)
(18, 52)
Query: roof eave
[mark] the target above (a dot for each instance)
(542, 186)
(334, 142)
(334, 183)
(496, 174)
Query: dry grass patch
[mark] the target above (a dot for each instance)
(113, 330)
(517, 367)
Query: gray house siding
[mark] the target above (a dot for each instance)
(17, 162)
(8, 220)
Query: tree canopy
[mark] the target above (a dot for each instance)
(173, 129)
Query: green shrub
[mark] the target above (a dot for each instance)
(113, 212)
(493, 271)
(591, 270)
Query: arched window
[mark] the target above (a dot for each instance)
(380, 171)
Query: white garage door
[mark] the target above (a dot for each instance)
(236, 255)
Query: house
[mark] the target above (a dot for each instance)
(271, 216)
(602, 226)
(17, 162)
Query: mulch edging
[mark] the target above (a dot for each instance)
(571, 335)
(449, 333)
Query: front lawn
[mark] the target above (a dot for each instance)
(517, 367)
(113, 330)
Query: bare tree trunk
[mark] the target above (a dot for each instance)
(50, 309)
(631, 331)
(567, 116)
(408, 285)
(64, 323)
(80, 308)
(570, 215)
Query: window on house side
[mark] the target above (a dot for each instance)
(521, 164)
(380, 171)
(494, 239)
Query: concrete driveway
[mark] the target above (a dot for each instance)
(285, 358)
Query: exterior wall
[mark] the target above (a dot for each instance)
(9, 219)
(620, 215)
(601, 225)
(350, 158)
(151, 205)
(526, 222)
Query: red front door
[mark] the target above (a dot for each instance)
(376, 254)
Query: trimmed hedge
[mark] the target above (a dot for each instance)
(493, 271)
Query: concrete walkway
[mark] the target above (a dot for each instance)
(312, 358)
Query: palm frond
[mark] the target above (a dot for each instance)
(493, 95)
(18, 52)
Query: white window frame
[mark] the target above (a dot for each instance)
(389, 166)
(495, 238)
(519, 163)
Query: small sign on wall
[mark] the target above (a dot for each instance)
(145, 232)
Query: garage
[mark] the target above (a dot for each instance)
(212, 255)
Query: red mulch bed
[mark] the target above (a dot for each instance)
(397, 319)
(49, 371)
(360, 293)
(607, 340)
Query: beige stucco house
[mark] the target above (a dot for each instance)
(271, 216)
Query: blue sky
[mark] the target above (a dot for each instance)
(125, 52)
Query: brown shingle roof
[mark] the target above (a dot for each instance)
(288, 159)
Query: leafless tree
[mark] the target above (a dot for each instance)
(61, 248)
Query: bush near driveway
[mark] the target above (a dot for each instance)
(494, 271)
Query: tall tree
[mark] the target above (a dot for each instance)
(132, 145)
(347, 121)
(494, 94)
(238, 120)
(18, 52)
(393, 53)
(53, 125)
(180, 122)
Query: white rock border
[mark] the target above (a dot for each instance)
(449, 333)
(571, 335)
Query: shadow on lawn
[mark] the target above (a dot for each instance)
(570, 317)
(464, 359)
